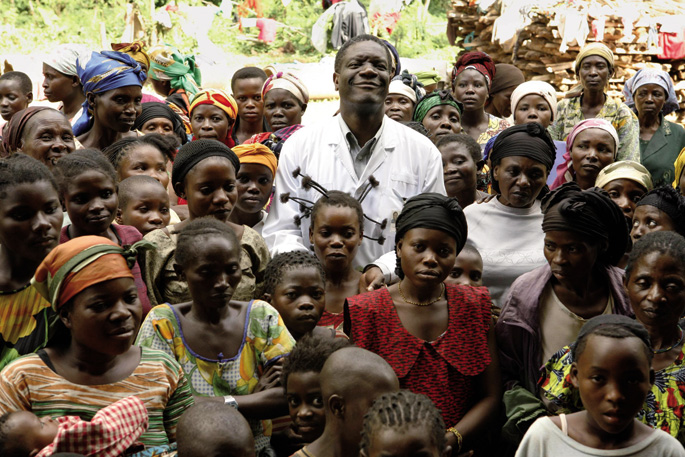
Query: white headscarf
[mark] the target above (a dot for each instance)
(63, 58)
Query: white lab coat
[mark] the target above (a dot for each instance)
(404, 162)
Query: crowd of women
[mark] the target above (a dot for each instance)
(195, 272)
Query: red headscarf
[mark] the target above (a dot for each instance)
(15, 127)
(476, 60)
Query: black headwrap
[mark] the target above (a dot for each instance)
(525, 140)
(668, 200)
(196, 151)
(624, 322)
(590, 213)
(154, 110)
(433, 211)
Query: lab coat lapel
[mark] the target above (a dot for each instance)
(339, 147)
(387, 142)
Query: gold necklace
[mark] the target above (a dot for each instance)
(399, 286)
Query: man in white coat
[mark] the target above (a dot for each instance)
(343, 152)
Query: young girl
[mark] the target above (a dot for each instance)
(438, 338)
(295, 286)
(143, 204)
(145, 155)
(660, 209)
(226, 347)
(404, 424)
(31, 217)
(612, 371)
(336, 233)
(204, 174)
(88, 189)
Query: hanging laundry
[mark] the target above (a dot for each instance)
(267, 30)
(573, 28)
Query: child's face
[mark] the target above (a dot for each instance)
(210, 188)
(459, 170)
(305, 404)
(467, 271)
(255, 183)
(408, 442)
(613, 377)
(248, 95)
(12, 98)
(33, 433)
(336, 236)
(148, 210)
(299, 299)
(91, 201)
(144, 160)
(656, 289)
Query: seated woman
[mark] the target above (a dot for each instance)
(594, 66)
(31, 216)
(507, 78)
(212, 113)
(404, 92)
(61, 83)
(472, 78)
(438, 338)
(626, 182)
(226, 347)
(92, 362)
(440, 114)
(204, 174)
(591, 146)
(650, 93)
(159, 118)
(40, 132)
(661, 209)
(112, 83)
(462, 159)
(521, 159)
(655, 284)
(585, 236)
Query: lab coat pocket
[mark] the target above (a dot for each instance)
(403, 185)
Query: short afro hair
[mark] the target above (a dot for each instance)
(78, 162)
(465, 140)
(202, 227)
(287, 261)
(309, 355)
(248, 73)
(341, 200)
(22, 169)
(358, 39)
(128, 188)
(21, 77)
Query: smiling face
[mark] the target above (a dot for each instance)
(248, 95)
(144, 159)
(12, 98)
(299, 298)
(471, 90)
(255, 183)
(336, 236)
(399, 107)
(592, 150)
(148, 210)
(459, 169)
(427, 256)
(91, 201)
(47, 137)
(282, 109)
(533, 108)
(649, 219)
(117, 109)
(364, 75)
(656, 289)
(594, 73)
(613, 377)
(649, 99)
(442, 120)
(210, 188)
(305, 404)
(570, 257)
(58, 86)
(625, 193)
(210, 122)
(521, 180)
(30, 220)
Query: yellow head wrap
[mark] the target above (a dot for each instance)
(594, 49)
(257, 153)
(135, 50)
(625, 169)
(679, 165)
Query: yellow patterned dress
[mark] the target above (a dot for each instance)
(265, 340)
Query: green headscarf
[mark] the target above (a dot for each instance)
(168, 64)
(430, 101)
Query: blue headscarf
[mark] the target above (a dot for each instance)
(103, 71)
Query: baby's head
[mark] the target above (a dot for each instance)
(209, 428)
(468, 268)
(23, 434)
(143, 204)
(612, 370)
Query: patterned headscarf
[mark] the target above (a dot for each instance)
(257, 153)
(474, 60)
(168, 64)
(651, 76)
(80, 263)
(135, 50)
(63, 58)
(432, 100)
(103, 71)
(289, 82)
(625, 169)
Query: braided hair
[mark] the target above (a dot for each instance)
(401, 411)
(286, 261)
(116, 152)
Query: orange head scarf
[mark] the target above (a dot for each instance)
(218, 98)
(257, 153)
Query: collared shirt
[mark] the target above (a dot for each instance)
(360, 154)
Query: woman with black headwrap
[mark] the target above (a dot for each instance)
(438, 338)
(159, 118)
(585, 237)
(661, 209)
(507, 229)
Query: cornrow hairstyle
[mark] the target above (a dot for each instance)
(78, 162)
(116, 152)
(309, 355)
(128, 188)
(341, 200)
(202, 227)
(22, 169)
(663, 242)
(402, 411)
(21, 77)
(6, 450)
(358, 39)
(418, 127)
(465, 140)
(248, 73)
(287, 261)
(617, 331)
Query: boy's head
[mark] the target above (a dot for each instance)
(23, 434)
(16, 93)
(246, 86)
(211, 429)
(296, 286)
(468, 268)
(143, 204)
(612, 370)
(300, 377)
